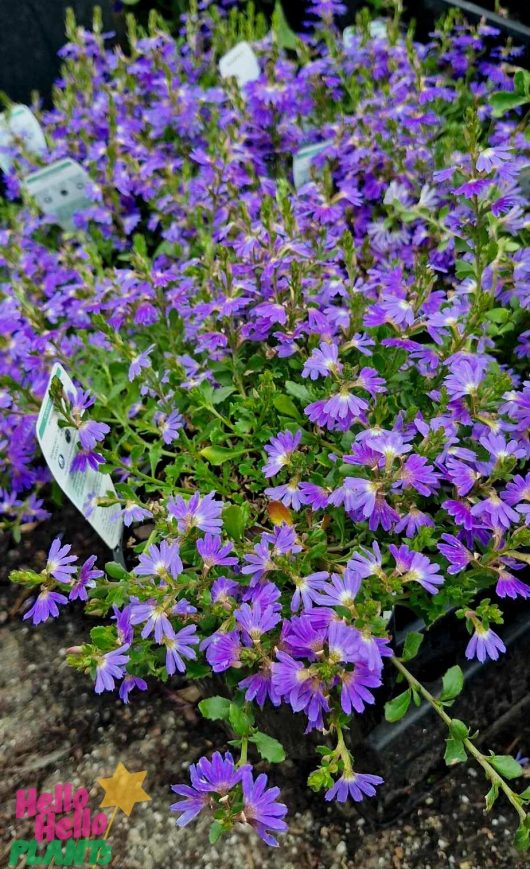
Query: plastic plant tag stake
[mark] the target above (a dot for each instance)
(241, 62)
(59, 446)
(20, 123)
(60, 190)
(302, 162)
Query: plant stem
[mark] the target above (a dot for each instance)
(481, 759)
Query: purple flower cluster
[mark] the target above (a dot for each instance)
(312, 397)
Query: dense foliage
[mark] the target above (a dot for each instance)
(312, 399)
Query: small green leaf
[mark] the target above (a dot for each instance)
(286, 406)
(269, 748)
(234, 521)
(397, 708)
(220, 455)
(215, 708)
(215, 832)
(298, 390)
(522, 836)
(491, 796)
(525, 794)
(222, 393)
(413, 642)
(104, 637)
(454, 752)
(240, 720)
(505, 765)
(115, 570)
(452, 682)
(458, 729)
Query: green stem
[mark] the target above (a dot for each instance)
(481, 759)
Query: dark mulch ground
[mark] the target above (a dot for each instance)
(53, 729)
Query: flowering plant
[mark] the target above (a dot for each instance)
(313, 399)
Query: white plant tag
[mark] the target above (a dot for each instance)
(302, 162)
(241, 62)
(59, 446)
(377, 29)
(20, 123)
(60, 190)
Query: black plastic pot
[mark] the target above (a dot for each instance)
(31, 34)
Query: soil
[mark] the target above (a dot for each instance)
(54, 729)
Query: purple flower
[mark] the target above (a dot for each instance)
(456, 553)
(307, 589)
(90, 432)
(178, 647)
(59, 563)
(203, 513)
(255, 622)
(418, 474)
(341, 591)
(356, 494)
(484, 643)
(465, 377)
(218, 776)
(86, 579)
(493, 158)
(354, 685)
(323, 362)
(213, 552)
(415, 567)
(160, 561)
(169, 425)
(289, 494)
(223, 650)
(315, 496)
(193, 803)
(343, 642)
(110, 667)
(86, 458)
(133, 512)
(139, 362)
(356, 785)
(261, 808)
(259, 687)
(128, 684)
(45, 606)
(155, 618)
(509, 586)
(279, 451)
(495, 511)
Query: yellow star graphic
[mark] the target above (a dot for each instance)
(123, 789)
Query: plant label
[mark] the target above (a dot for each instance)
(240, 62)
(59, 447)
(60, 190)
(377, 30)
(19, 123)
(302, 162)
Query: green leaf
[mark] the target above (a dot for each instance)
(115, 570)
(503, 101)
(397, 708)
(458, 729)
(452, 682)
(413, 642)
(240, 720)
(299, 391)
(234, 521)
(522, 836)
(525, 794)
(155, 453)
(505, 765)
(491, 796)
(454, 752)
(104, 637)
(269, 748)
(220, 455)
(215, 708)
(222, 393)
(215, 832)
(286, 406)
